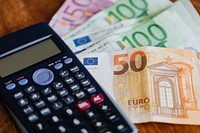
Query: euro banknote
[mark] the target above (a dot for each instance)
(82, 41)
(75, 12)
(150, 84)
(168, 29)
(121, 10)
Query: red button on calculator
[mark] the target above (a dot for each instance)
(97, 98)
(83, 105)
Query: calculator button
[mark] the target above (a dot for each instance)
(76, 122)
(68, 60)
(58, 85)
(46, 91)
(62, 129)
(40, 104)
(57, 105)
(45, 111)
(63, 73)
(43, 76)
(96, 99)
(22, 102)
(28, 110)
(74, 69)
(80, 94)
(69, 80)
(83, 130)
(85, 82)
(120, 128)
(30, 89)
(74, 87)
(18, 95)
(112, 118)
(80, 75)
(33, 117)
(83, 105)
(104, 108)
(11, 86)
(58, 66)
(91, 89)
(98, 124)
(52, 98)
(55, 119)
(90, 114)
(23, 82)
(69, 112)
(35, 96)
(39, 127)
(63, 92)
(68, 99)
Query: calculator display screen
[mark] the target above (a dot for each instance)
(27, 57)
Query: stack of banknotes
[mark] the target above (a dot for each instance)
(144, 53)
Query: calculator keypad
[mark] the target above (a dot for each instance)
(65, 100)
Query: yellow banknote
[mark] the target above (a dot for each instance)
(157, 84)
(150, 83)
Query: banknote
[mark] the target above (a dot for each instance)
(75, 12)
(168, 29)
(121, 10)
(185, 9)
(151, 84)
(82, 41)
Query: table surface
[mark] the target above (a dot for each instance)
(17, 14)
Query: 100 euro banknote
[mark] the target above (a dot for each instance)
(168, 29)
(150, 83)
(82, 41)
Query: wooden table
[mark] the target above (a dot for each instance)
(17, 14)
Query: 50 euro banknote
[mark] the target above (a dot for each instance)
(150, 83)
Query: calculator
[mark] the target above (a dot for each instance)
(47, 90)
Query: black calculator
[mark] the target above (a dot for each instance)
(47, 89)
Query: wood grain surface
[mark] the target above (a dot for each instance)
(17, 14)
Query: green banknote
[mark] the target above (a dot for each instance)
(160, 31)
